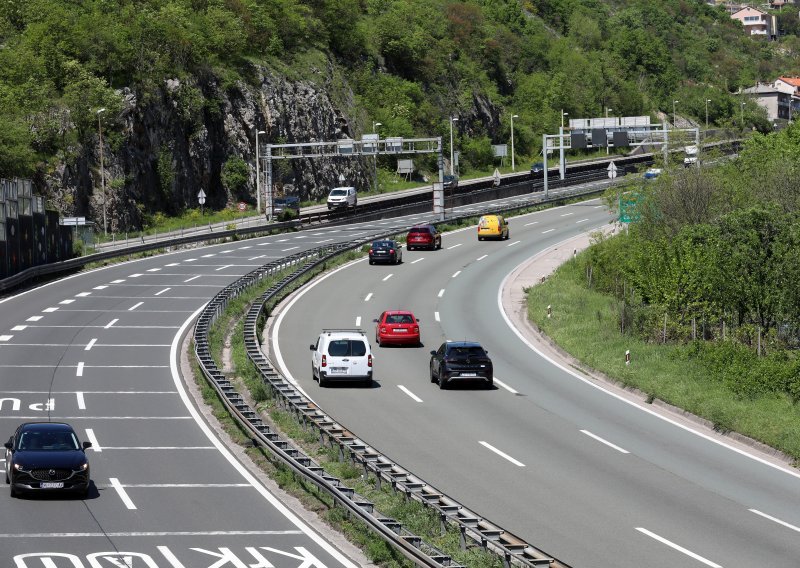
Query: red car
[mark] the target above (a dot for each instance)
(423, 236)
(397, 327)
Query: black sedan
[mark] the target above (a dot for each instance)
(461, 361)
(385, 251)
(46, 456)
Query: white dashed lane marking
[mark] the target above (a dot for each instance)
(606, 442)
(501, 454)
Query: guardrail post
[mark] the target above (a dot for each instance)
(462, 539)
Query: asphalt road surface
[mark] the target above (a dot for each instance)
(582, 473)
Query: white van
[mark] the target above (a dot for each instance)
(342, 197)
(341, 354)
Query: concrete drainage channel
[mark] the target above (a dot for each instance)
(474, 529)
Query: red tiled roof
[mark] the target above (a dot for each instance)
(794, 81)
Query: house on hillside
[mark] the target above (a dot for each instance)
(757, 22)
(776, 99)
(791, 84)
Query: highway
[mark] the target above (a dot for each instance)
(584, 473)
(101, 351)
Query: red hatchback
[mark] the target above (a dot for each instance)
(423, 236)
(397, 327)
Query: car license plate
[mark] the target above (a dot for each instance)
(469, 374)
(52, 485)
(401, 331)
(338, 370)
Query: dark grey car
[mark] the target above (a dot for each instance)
(386, 251)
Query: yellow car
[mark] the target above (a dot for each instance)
(492, 227)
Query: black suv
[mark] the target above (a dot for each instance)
(461, 361)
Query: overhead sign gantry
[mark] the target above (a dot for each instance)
(369, 145)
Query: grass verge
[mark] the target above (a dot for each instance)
(585, 323)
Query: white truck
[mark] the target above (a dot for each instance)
(691, 156)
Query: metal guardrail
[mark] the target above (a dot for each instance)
(73, 264)
(512, 549)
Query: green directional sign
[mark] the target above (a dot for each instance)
(627, 207)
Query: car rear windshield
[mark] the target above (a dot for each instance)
(465, 352)
(421, 230)
(347, 348)
(399, 318)
(382, 244)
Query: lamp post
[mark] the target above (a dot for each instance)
(674, 125)
(375, 126)
(452, 120)
(258, 175)
(102, 177)
(707, 101)
(513, 116)
(563, 114)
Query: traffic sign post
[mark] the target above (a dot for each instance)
(201, 199)
(612, 170)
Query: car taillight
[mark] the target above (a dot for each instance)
(369, 360)
(391, 251)
(324, 360)
(383, 330)
(370, 251)
(416, 329)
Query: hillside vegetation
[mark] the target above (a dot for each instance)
(411, 64)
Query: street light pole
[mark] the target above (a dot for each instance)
(102, 177)
(375, 126)
(674, 119)
(707, 101)
(513, 116)
(563, 114)
(452, 120)
(258, 175)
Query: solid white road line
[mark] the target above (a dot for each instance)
(163, 549)
(177, 379)
(122, 494)
(110, 324)
(409, 393)
(387, 277)
(775, 520)
(418, 260)
(135, 306)
(93, 439)
(505, 386)
(441, 292)
(481, 257)
(368, 297)
(606, 442)
(678, 548)
(90, 344)
(501, 454)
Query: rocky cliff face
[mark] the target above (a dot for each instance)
(178, 142)
(159, 151)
